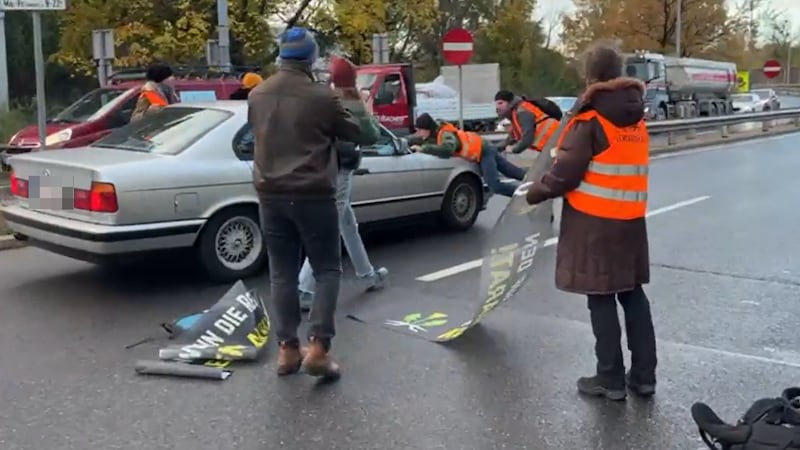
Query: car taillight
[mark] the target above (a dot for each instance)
(102, 197)
(19, 187)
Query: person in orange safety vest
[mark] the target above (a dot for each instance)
(601, 169)
(533, 121)
(155, 94)
(446, 140)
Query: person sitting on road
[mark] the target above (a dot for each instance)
(343, 81)
(249, 81)
(533, 122)
(156, 93)
(446, 140)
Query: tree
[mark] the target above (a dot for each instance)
(651, 25)
(353, 22)
(174, 31)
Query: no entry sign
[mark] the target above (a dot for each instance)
(772, 68)
(457, 46)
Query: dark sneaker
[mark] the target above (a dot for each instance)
(290, 357)
(592, 386)
(318, 362)
(642, 390)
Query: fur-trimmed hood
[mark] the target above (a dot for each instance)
(620, 100)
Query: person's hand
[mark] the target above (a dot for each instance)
(416, 148)
(522, 190)
(508, 149)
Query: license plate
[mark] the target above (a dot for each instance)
(50, 193)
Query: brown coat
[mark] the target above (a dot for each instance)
(596, 255)
(295, 122)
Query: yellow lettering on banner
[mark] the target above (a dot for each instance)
(499, 276)
(259, 336)
(504, 256)
(230, 351)
(453, 333)
(218, 364)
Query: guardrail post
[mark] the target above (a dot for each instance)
(797, 121)
(691, 133)
(724, 131)
(671, 138)
(765, 125)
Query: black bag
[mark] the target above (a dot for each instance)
(550, 108)
(769, 424)
(349, 155)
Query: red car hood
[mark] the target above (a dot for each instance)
(29, 136)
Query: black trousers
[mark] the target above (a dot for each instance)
(639, 331)
(290, 227)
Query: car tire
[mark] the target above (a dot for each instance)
(462, 203)
(231, 246)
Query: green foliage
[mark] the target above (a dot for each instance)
(14, 120)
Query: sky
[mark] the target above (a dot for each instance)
(549, 9)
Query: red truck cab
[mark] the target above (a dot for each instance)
(100, 111)
(392, 94)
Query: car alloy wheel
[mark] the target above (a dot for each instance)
(238, 243)
(464, 201)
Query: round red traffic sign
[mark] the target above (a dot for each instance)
(457, 46)
(772, 68)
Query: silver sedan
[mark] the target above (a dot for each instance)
(182, 179)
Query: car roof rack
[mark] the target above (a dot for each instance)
(185, 72)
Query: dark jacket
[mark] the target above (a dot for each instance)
(596, 255)
(295, 123)
(240, 94)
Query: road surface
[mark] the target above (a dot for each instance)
(725, 289)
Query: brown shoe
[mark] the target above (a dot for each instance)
(318, 362)
(290, 357)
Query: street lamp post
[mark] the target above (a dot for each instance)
(678, 29)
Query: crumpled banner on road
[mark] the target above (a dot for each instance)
(204, 344)
(508, 259)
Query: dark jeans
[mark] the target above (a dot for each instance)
(639, 331)
(492, 165)
(289, 228)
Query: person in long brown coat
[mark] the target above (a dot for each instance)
(600, 169)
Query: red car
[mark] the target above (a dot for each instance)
(97, 113)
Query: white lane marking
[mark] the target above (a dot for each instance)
(474, 264)
(6, 238)
(715, 147)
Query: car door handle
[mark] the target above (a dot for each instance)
(360, 171)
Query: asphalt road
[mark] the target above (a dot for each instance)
(725, 284)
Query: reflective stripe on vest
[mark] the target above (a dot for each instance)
(615, 183)
(471, 143)
(154, 98)
(545, 126)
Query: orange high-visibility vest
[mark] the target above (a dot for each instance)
(615, 183)
(545, 125)
(471, 143)
(154, 98)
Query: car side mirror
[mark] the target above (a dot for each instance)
(402, 146)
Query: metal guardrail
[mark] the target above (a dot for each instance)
(688, 127)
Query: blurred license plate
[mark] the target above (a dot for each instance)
(50, 193)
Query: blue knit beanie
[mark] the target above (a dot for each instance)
(297, 44)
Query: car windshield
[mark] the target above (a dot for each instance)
(742, 98)
(169, 131)
(366, 81)
(565, 103)
(761, 94)
(91, 106)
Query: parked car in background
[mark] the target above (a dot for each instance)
(565, 103)
(182, 179)
(769, 97)
(98, 112)
(747, 103)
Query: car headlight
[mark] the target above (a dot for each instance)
(59, 137)
(646, 109)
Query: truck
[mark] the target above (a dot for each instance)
(397, 100)
(682, 88)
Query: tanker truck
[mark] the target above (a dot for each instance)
(683, 88)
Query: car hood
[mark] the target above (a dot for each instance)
(29, 136)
